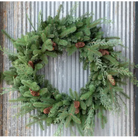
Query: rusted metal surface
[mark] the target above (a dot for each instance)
(1, 68)
(66, 72)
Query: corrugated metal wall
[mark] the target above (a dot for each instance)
(66, 72)
(1, 68)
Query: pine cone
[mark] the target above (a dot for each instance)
(47, 110)
(30, 63)
(54, 44)
(80, 44)
(111, 79)
(77, 111)
(104, 52)
(34, 93)
(15, 76)
(76, 104)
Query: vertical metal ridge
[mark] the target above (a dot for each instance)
(1, 68)
(4, 67)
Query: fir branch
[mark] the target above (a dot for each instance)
(89, 121)
(123, 71)
(30, 22)
(59, 129)
(7, 90)
(111, 59)
(105, 100)
(102, 117)
(59, 10)
(36, 121)
(8, 36)
(23, 112)
(40, 19)
(21, 105)
(6, 51)
(112, 37)
(80, 130)
(103, 67)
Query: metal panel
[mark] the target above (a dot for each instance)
(136, 71)
(1, 68)
(66, 72)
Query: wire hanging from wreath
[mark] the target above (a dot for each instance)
(101, 92)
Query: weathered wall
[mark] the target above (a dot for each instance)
(1, 68)
(66, 72)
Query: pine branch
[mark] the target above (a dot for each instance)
(23, 112)
(80, 130)
(123, 71)
(68, 31)
(89, 121)
(36, 121)
(111, 59)
(105, 100)
(30, 22)
(59, 129)
(59, 10)
(8, 36)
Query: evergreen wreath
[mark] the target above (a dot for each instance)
(101, 93)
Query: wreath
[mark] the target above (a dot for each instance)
(102, 91)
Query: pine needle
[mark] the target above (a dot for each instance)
(31, 23)
(8, 36)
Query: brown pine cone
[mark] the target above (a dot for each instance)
(54, 44)
(30, 63)
(104, 52)
(76, 104)
(47, 110)
(77, 111)
(34, 93)
(15, 76)
(80, 44)
(111, 79)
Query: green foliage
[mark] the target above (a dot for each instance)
(95, 23)
(32, 85)
(44, 59)
(111, 59)
(8, 36)
(59, 129)
(63, 42)
(89, 123)
(68, 120)
(51, 54)
(79, 128)
(85, 96)
(106, 101)
(47, 45)
(21, 98)
(83, 105)
(43, 91)
(31, 23)
(39, 104)
(37, 120)
(67, 32)
(75, 119)
(102, 117)
(71, 50)
(123, 71)
(54, 109)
